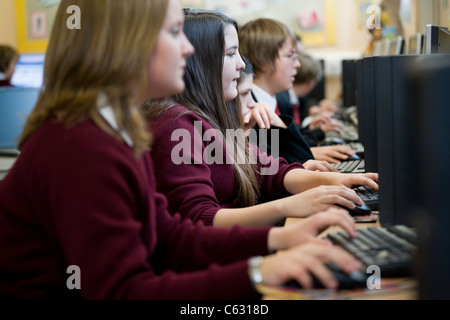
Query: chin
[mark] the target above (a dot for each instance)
(230, 95)
(177, 88)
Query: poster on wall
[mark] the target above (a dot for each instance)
(231, 8)
(236, 8)
(316, 22)
(34, 23)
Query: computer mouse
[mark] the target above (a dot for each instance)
(333, 142)
(354, 280)
(353, 157)
(362, 210)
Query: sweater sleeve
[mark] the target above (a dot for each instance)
(272, 172)
(181, 172)
(205, 243)
(222, 254)
(124, 242)
(196, 239)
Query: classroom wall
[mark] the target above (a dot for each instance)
(351, 38)
(8, 34)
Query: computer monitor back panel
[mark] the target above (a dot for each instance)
(15, 105)
(395, 46)
(369, 114)
(360, 99)
(349, 83)
(438, 40)
(416, 44)
(394, 134)
(430, 167)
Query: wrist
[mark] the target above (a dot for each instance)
(276, 239)
(254, 271)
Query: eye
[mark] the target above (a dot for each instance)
(231, 51)
(175, 31)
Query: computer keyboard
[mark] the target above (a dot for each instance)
(358, 147)
(351, 166)
(391, 248)
(369, 195)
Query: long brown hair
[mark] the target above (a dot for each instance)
(104, 57)
(204, 95)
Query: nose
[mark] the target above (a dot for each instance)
(187, 48)
(240, 64)
(251, 102)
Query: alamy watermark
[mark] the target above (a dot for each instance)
(74, 21)
(74, 280)
(208, 147)
(374, 20)
(374, 281)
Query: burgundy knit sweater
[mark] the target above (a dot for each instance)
(198, 187)
(77, 196)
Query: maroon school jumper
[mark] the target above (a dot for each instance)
(78, 196)
(195, 189)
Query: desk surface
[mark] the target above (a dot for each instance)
(391, 289)
(5, 164)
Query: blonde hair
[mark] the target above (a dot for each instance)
(105, 57)
(260, 41)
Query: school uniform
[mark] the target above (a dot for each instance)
(77, 196)
(195, 186)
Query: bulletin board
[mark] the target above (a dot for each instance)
(34, 23)
(313, 20)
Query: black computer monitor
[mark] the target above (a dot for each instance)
(365, 94)
(29, 71)
(348, 83)
(394, 135)
(360, 100)
(15, 105)
(416, 44)
(431, 96)
(438, 40)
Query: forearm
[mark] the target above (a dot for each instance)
(297, 181)
(267, 214)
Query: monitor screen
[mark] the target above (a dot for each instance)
(15, 105)
(29, 71)
(438, 40)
